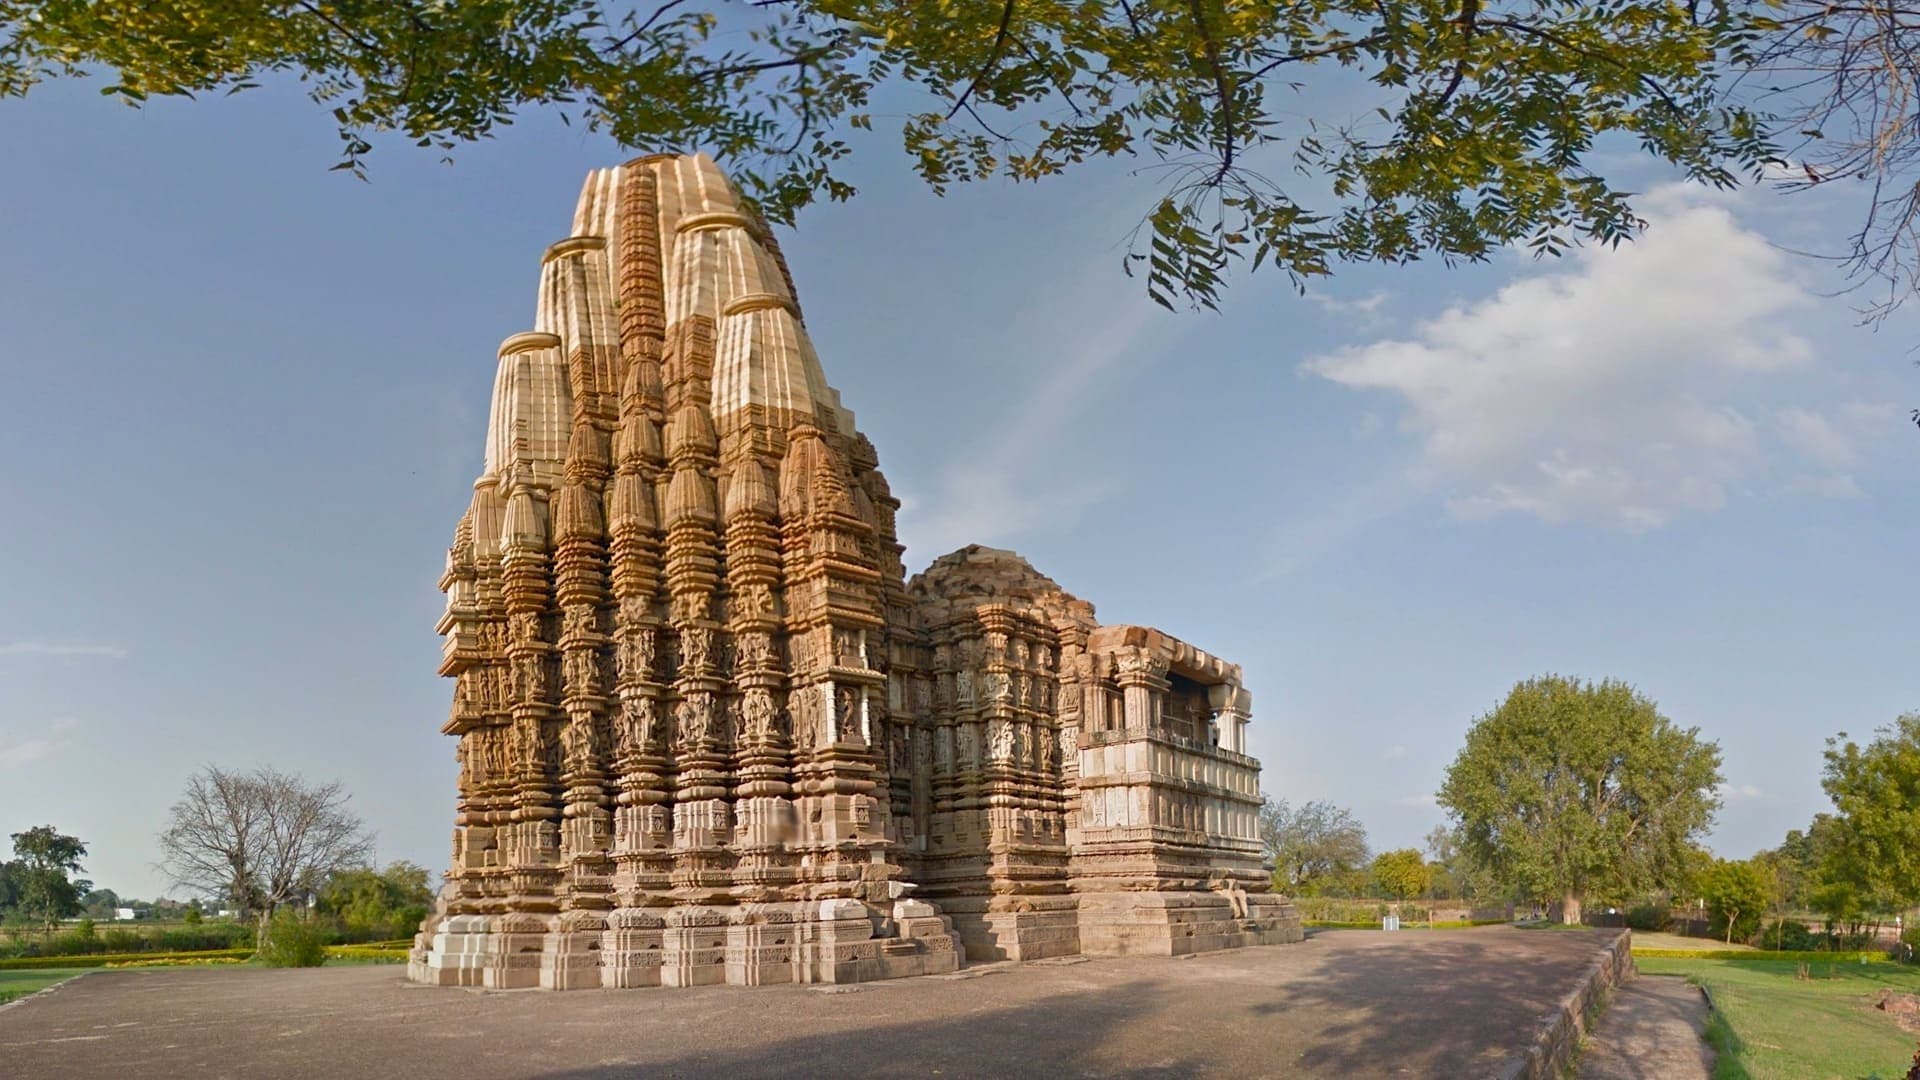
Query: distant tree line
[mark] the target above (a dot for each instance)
(1573, 793)
(285, 856)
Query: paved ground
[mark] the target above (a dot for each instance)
(1344, 1003)
(1651, 1031)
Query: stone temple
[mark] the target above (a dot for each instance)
(710, 733)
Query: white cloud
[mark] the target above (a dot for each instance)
(1818, 437)
(1606, 390)
(49, 648)
(1834, 443)
(1738, 792)
(1394, 752)
(19, 751)
(1369, 304)
(1425, 801)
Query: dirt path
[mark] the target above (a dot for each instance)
(1650, 1031)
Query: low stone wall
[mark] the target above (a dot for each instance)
(1558, 1040)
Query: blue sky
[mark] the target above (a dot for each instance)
(244, 401)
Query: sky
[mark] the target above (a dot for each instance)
(243, 398)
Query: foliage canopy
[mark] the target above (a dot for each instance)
(382, 903)
(1872, 859)
(39, 884)
(1401, 874)
(1738, 894)
(1573, 789)
(1292, 134)
(1310, 845)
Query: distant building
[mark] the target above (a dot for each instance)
(124, 914)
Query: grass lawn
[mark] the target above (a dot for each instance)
(15, 984)
(1648, 939)
(1769, 1025)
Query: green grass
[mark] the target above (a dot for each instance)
(35, 963)
(14, 984)
(1653, 939)
(1769, 1025)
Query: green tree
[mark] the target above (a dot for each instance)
(1312, 846)
(1460, 127)
(390, 902)
(1401, 874)
(1737, 895)
(10, 875)
(1572, 788)
(1874, 851)
(100, 903)
(1455, 874)
(1799, 862)
(48, 859)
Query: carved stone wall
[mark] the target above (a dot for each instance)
(708, 732)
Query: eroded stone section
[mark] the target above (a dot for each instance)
(707, 731)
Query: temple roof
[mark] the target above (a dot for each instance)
(978, 574)
(720, 273)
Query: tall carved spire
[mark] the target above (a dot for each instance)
(632, 808)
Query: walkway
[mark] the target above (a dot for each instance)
(1443, 1003)
(1651, 1031)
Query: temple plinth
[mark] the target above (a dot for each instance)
(708, 733)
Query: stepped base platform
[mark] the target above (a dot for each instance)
(828, 941)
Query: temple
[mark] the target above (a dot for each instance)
(710, 733)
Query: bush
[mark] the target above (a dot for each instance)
(293, 942)
(212, 935)
(209, 935)
(1649, 917)
(193, 916)
(29, 963)
(1853, 956)
(1791, 935)
(1736, 896)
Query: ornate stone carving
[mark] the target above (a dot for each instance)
(850, 715)
(678, 530)
(639, 726)
(693, 719)
(759, 717)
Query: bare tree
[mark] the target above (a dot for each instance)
(1311, 843)
(261, 839)
(1841, 81)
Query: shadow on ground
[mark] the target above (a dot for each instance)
(1344, 1003)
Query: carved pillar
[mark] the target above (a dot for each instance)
(702, 824)
(763, 809)
(631, 947)
(831, 612)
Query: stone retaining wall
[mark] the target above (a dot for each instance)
(1558, 1040)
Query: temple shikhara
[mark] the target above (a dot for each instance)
(709, 732)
